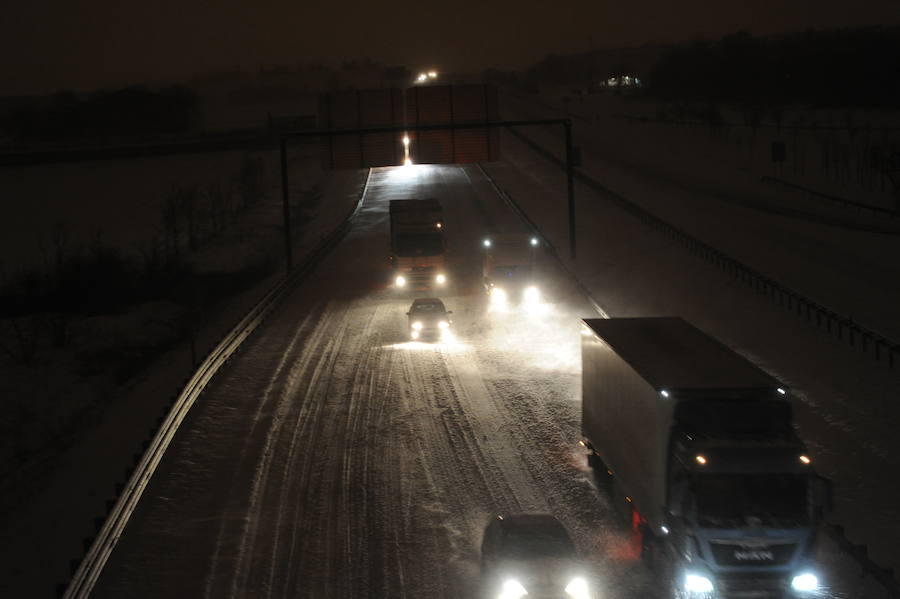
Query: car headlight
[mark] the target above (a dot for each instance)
(531, 295)
(414, 335)
(417, 326)
(400, 281)
(695, 583)
(805, 582)
(578, 588)
(498, 295)
(443, 324)
(512, 589)
(441, 279)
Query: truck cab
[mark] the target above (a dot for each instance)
(418, 245)
(509, 269)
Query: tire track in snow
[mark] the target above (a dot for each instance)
(247, 453)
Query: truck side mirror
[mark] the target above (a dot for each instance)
(407, 313)
(449, 311)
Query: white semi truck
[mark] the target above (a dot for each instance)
(509, 268)
(697, 445)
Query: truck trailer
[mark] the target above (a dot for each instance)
(509, 268)
(698, 444)
(418, 247)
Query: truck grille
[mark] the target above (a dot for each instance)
(733, 554)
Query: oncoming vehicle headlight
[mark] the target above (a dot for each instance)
(695, 583)
(531, 295)
(805, 582)
(498, 296)
(414, 335)
(400, 281)
(443, 324)
(578, 588)
(512, 589)
(417, 326)
(441, 279)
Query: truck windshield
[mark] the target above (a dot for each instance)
(419, 244)
(738, 500)
(515, 272)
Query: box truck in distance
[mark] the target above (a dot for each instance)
(699, 444)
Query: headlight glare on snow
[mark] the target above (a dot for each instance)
(695, 583)
(512, 589)
(578, 588)
(805, 582)
(417, 326)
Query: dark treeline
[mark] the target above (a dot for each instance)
(128, 112)
(855, 67)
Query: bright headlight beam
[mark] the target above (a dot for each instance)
(512, 589)
(443, 324)
(694, 583)
(805, 582)
(578, 588)
(400, 281)
(417, 325)
(441, 279)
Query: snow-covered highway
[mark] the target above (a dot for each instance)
(334, 458)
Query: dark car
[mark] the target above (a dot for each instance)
(531, 556)
(428, 318)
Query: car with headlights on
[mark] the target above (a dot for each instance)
(531, 556)
(428, 319)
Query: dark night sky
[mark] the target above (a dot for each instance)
(53, 44)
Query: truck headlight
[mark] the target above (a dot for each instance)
(805, 582)
(440, 279)
(498, 296)
(695, 583)
(414, 335)
(578, 588)
(531, 295)
(443, 324)
(400, 281)
(417, 326)
(512, 589)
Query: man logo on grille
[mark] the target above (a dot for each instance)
(754, 555)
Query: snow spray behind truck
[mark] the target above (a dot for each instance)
(699, 445)
(417, 244)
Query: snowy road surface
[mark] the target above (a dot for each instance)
(334, 458)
